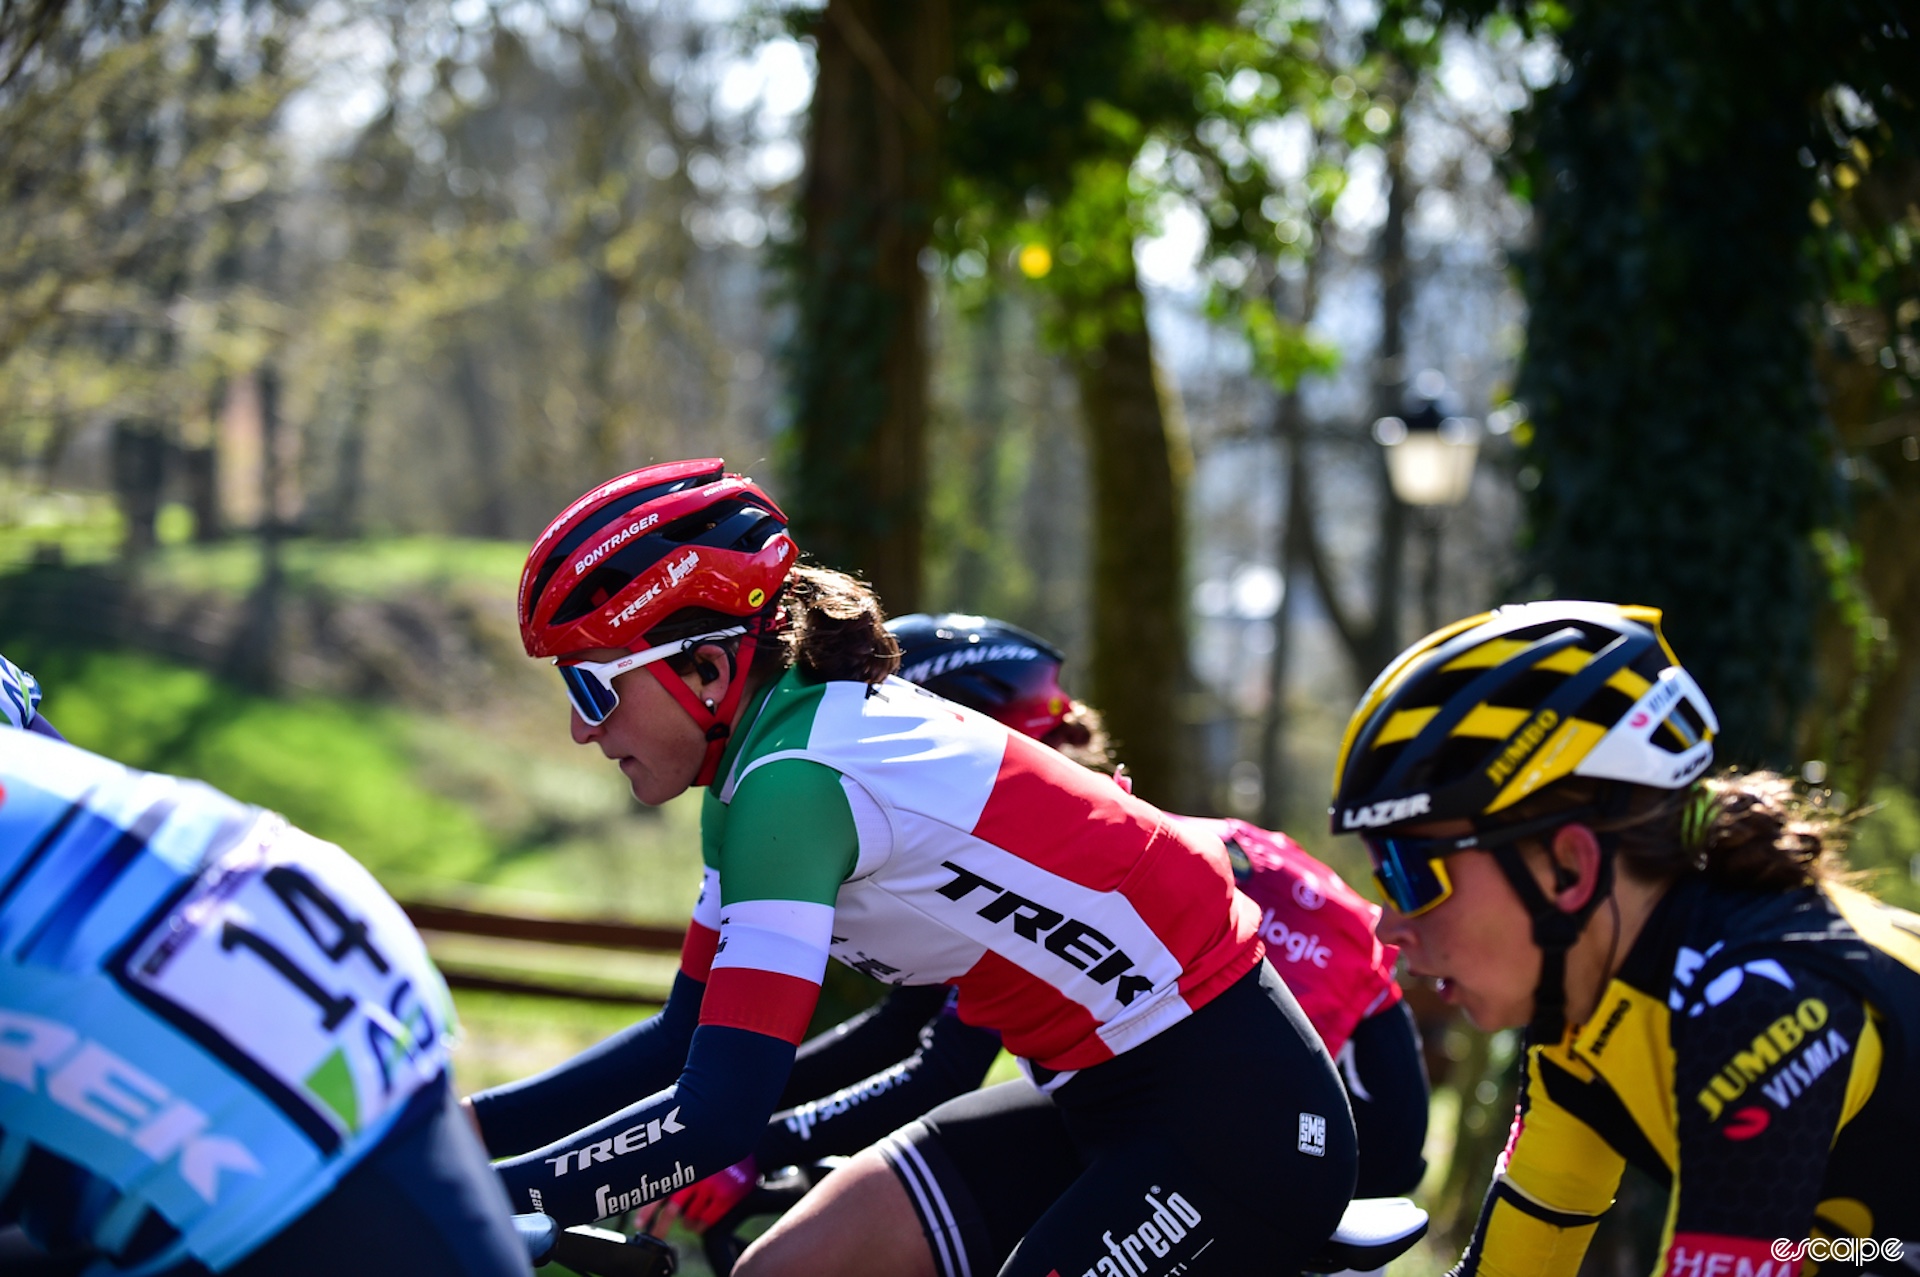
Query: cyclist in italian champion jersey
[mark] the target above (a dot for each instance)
(1318, 930)
(222, 1046)
(1704, 996)
(850, 814)
(855, 1084)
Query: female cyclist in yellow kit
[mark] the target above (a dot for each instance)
(1703, 994)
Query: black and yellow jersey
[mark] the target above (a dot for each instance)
(1755, 1054)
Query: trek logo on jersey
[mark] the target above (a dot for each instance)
(607, 1202)
(1166, 1224)
(1313, 1135)
(1080, 945)
(1390, 812)
(1780, 1040)
(1522, 743)
(634, 1137)
(612, 543)
(1297, 945)
(93, 1083)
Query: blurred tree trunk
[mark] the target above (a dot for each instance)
(1138, 468)
(200, 475)
(139, 469)
(488, 517)
(253, 660)
(1372, 640)
(859, 357)
(1867, 642)
(976, 548)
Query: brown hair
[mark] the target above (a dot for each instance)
(835, 630)
(1082, 737)
(1749, 830)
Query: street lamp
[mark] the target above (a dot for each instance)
(1430, 460)
(1429, 457)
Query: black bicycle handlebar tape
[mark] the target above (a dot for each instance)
(594, 1253)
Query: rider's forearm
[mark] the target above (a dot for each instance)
(707, 1121)
(631, 1064)
(952, 1060)
(870, 1042)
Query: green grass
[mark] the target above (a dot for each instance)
(371, 567)
(79, 527)
(340, 771)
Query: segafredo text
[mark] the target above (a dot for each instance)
(1166, 1224)
(607, 1202)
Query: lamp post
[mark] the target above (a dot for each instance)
(1430, 458)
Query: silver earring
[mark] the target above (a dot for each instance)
(709, 704)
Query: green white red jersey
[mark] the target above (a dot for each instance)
(922, 843)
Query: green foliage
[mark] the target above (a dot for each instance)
(1885, 842)
(1283, 353)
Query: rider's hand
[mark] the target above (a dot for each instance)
(702, 1205)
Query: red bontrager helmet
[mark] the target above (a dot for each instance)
(639, 550)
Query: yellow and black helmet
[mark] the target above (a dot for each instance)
(1478, 716)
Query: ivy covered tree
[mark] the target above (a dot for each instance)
(1677, 430)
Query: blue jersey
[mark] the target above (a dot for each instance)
(206, 1016)
(19, 695)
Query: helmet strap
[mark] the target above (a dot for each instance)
(1555, 930)
(716, 720)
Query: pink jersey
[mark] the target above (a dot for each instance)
(1319, 931)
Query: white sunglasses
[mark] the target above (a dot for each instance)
(590, 683)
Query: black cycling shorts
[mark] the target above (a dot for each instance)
(1163, 1160)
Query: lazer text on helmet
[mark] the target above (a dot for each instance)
(1390, 812)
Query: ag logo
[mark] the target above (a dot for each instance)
(756, 597)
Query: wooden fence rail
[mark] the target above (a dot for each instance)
(596, 933)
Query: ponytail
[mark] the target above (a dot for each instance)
(836, 631)
(1752, 831)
